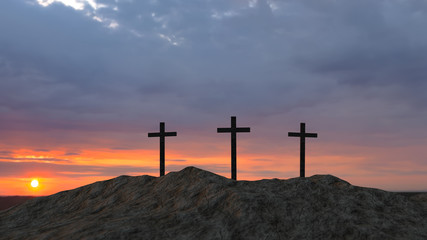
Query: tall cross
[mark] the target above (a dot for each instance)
(162, 134)
(233, 130)
(302, 135)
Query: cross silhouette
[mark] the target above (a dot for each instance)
(233, 130)
(162, 134)
(302, 135)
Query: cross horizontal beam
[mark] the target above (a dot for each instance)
(295, 134)
(165, 134)
(242, 129)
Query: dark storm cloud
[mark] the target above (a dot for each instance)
(374, 44)
(333, 61)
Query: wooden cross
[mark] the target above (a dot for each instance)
(162, 134)
(233, 130)
(302, 135)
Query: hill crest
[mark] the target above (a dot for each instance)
(197, 204)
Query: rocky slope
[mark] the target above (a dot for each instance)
(196, 204)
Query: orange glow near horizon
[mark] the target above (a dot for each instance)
(61, 173)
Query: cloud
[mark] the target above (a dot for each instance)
(71, 154)
(177, 160)
(75, 4)
(13, 169)
(5, 153)
(354, 68)
(42, 150)
(262, 160)
(78, 5)
(34, 159)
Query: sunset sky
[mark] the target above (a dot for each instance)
(82, 82)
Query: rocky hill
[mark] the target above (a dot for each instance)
(196, 204)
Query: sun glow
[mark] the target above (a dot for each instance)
(34, 183)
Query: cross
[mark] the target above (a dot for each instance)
(233, 130)
(162, 134)
(302, 135)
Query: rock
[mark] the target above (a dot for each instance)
(196, 204)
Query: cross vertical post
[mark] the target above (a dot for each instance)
(233, 130)
(302, 135)
(233, 149)
(162, 150)
(162, 134)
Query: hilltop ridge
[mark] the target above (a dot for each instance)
(197, 204)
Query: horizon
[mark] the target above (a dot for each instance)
(396, 191)
(82, 82)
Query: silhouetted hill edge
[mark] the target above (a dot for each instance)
(197, 204)
(10, 201)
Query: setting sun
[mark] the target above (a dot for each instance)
(34, 183)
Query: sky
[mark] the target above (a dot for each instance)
(82, 82)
